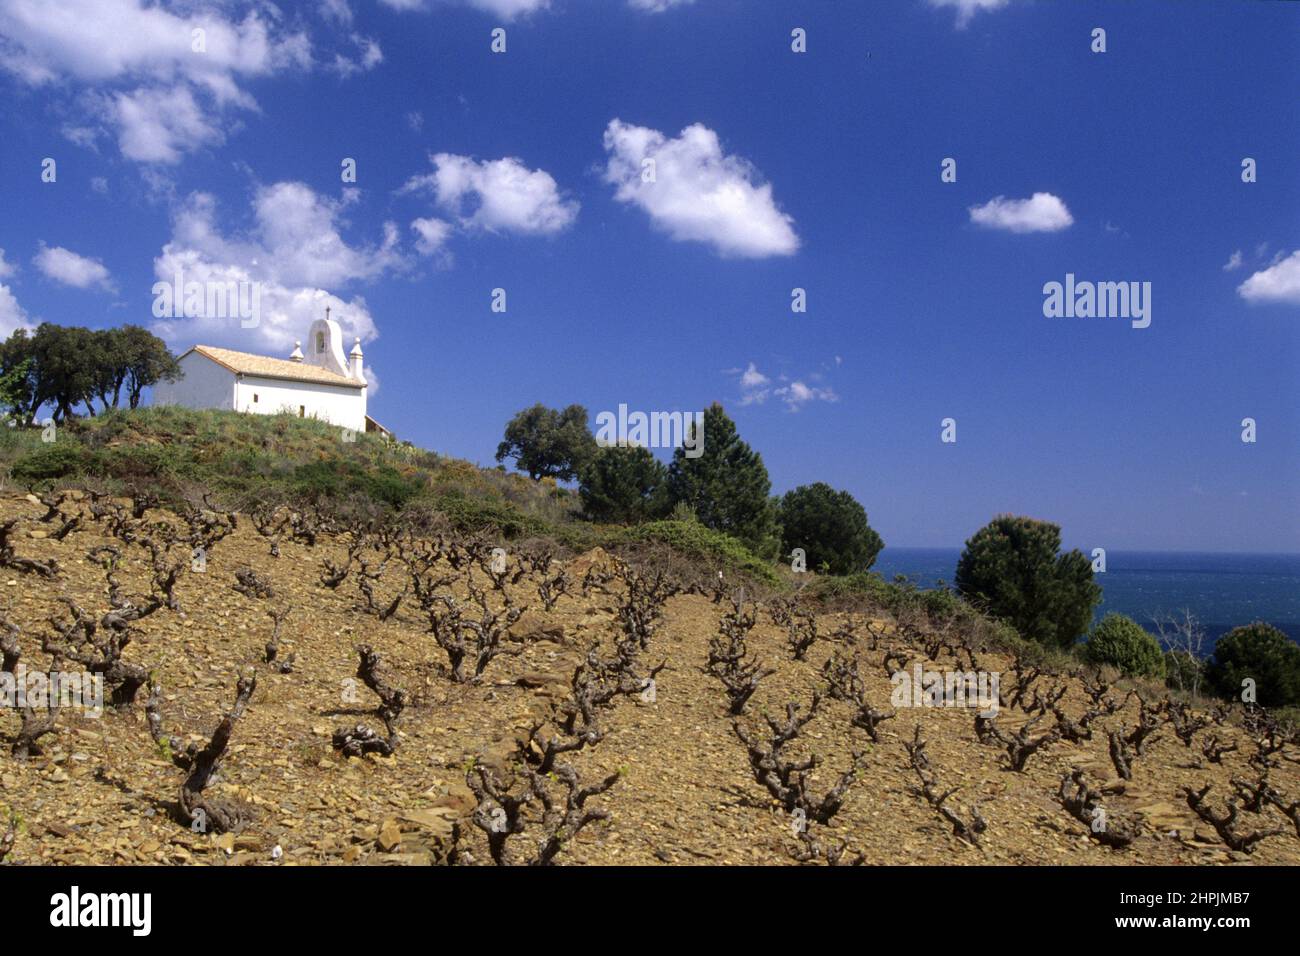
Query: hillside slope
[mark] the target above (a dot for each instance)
(102, 790)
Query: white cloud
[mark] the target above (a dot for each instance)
(87, 137)
(12, 315)
(968, 8)
(294, 252)
(797, 394)
(431, 235)
(103, 40)
(697, 193)
(1234, 262)
(754, 385)
(1043, 212)
(756, 388)
(506, 9)
(509, 9)
(369, 55)
(1280, 282)
(66, 266)
(657, 6)
(337, 10)
(160, 125)
(300, 244)
(148, 63)
(501, 195)
(753, 378)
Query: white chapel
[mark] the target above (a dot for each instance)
(319, 383)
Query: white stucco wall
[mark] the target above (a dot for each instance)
(345, 407)
(208, 385)
(204, 385)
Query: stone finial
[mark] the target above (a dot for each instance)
(354, 362)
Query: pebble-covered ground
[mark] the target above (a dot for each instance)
(101, 791)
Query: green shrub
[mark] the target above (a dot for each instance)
(134, 463)
(1262, 653)
(57, 460)
(623, 485)
(1011, 569)
(475, 514)
(1122, 643)
(342, 479)
(864, 585)
(694, 540)
(683, 512)
(830, 526)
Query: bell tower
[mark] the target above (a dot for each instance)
(325, 346)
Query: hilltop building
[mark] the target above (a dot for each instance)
(320, 383)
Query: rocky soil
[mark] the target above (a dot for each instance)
(101, 791)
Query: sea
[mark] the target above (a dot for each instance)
(1221, 590)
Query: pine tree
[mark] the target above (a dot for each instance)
(623, 485)
(831, 526)
(1263, 654)
(726, 484)
(1011, 569)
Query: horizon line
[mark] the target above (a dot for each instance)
(959, 547)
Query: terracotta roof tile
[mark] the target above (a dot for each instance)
(246, 363)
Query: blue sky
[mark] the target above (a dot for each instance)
(775, 170)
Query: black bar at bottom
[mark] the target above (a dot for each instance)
(337, 906)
